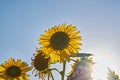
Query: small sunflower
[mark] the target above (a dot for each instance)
(40, 63)
(112, 75)
(14, 70)
(62, 40)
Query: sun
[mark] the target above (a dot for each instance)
(100, 69)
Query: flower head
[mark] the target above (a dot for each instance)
(112, 75)
(60, 41)
(40, 63)
(14, 70)
(81, 70)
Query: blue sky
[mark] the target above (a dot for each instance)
(22, 22)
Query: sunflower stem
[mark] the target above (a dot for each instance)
(56, 70)
(52, 75)
(48, 78)
(63, 72)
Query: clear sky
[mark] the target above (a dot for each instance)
(22, 22)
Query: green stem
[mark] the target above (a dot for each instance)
(56, 70)
(48, 78)
(63, 72)
(52, 75)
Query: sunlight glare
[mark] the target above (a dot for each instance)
(100, 69)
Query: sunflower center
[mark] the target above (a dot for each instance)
(40, 62)
(59, 40)
(13, 71)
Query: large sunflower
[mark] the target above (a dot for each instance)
(40, 63)
(14, 70)
(60, 41)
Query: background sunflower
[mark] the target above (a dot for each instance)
(112, 75)
(81, 69)
(14, 70)
(40, 64)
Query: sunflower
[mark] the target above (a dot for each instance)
(40, 63)
(112, 75)
(81, 70)
(62, 41)
(14, 70)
